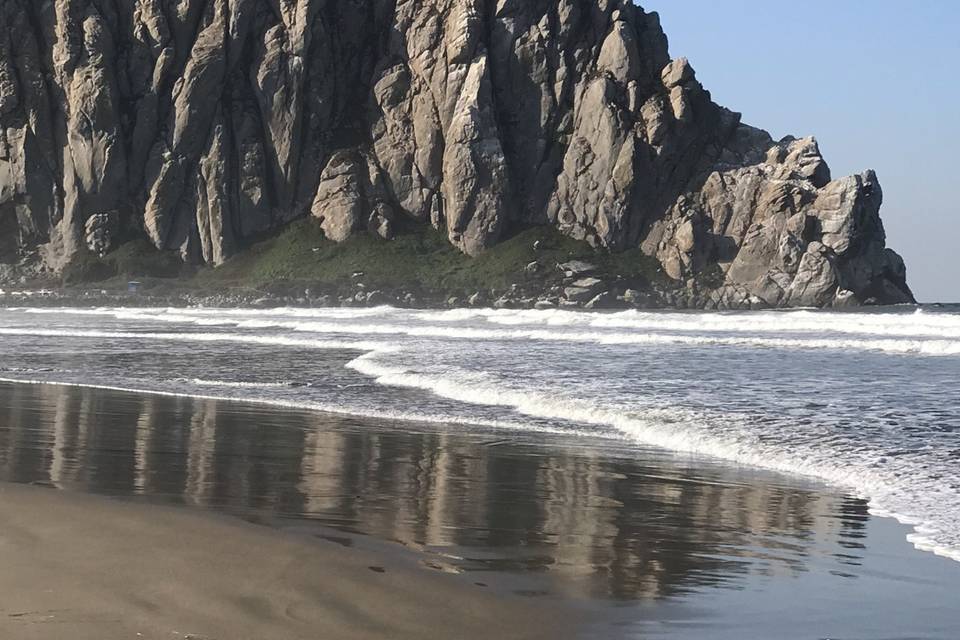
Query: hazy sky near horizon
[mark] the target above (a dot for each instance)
(877, 83)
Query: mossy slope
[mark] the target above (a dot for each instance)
(419, 259)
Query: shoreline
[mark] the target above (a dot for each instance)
(305, 298)
(920, 537)
(293, 406)
(914, 529)
(913, 535)
(126, 570)
(514, 529)
(260, 300)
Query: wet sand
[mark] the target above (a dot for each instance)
(235, 520)
(85, 567)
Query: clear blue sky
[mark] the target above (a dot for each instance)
(877, 82)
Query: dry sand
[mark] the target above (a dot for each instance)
(81, 567)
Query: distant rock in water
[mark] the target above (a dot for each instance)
(204, 124)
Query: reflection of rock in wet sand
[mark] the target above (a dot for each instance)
(602, 525)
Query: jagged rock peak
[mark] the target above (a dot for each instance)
(203, 124)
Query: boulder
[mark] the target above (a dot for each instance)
(591, 284)
(577, 294)
(583, 289)
(577, 267)
(605, 300)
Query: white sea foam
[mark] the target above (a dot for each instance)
(276, 341)
(918, 324)
(598, 335)
(941, 326)
(200, 382)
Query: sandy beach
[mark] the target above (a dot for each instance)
(85, 567)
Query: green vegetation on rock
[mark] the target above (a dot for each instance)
(419, 259)
(134, 260)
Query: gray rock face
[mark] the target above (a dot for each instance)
(207, 123)
(351, 197)
(102, 230)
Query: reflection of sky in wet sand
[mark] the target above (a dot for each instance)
(628, 525)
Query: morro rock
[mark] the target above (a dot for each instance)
(203, 124)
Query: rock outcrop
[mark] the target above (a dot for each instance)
(205, 124)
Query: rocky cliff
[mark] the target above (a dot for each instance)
(206, 124)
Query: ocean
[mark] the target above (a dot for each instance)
(868, 402)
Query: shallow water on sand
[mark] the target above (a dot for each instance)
(649, 543)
